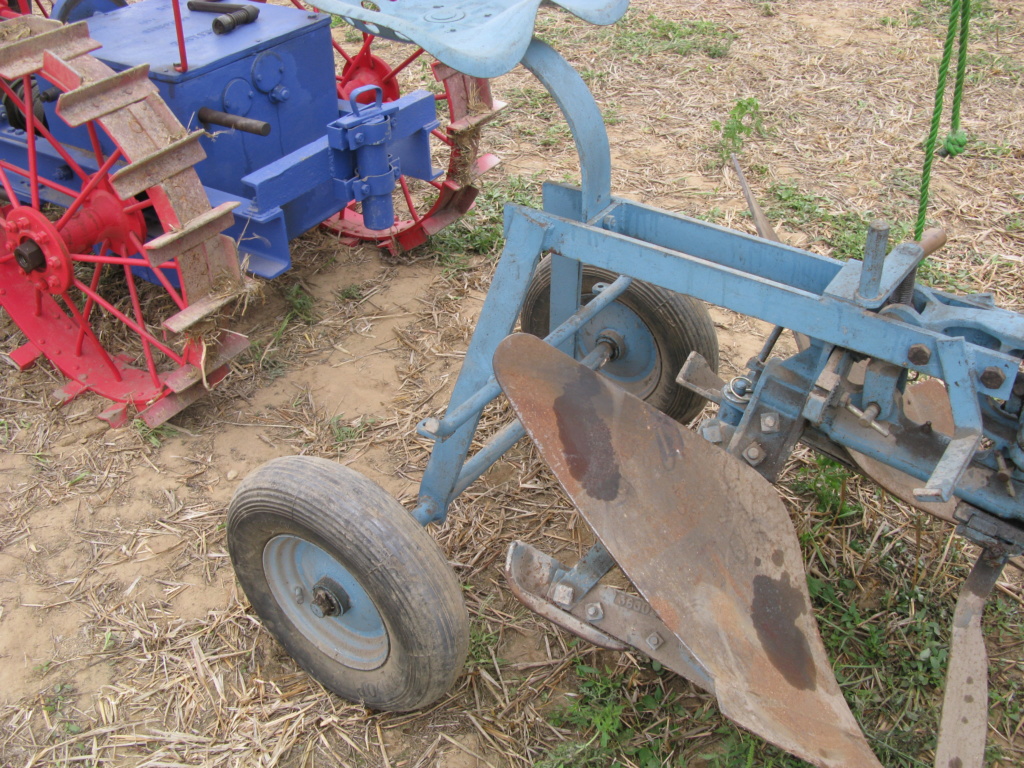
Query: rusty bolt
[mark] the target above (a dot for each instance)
(992, 377)
(563, 594)
(919, 354)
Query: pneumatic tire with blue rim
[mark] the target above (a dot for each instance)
(348, 582)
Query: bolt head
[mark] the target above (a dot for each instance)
(654, 641)
(563, 594)
(919, 354)
(992, 377)
(595, 612)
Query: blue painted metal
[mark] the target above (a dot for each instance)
(279, 69)
(483, 38)
(973, 346)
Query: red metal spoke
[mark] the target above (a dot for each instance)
(339, 49)
(442, 137)
(46, 182)
(161, 273)
(30, 132)
(94, 139)
(45, 13)
(409, 202)
(85, 330)
(133, 291)
(394, 72)
(436, 184)
(94, 182)
(89, 303)
(128, 321)
(8, 189)
(141, 205)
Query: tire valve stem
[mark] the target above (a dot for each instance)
(300, 595)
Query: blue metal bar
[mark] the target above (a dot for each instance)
(523, 246)
(474, 405)
(585, 121)
(711, 277)
(510, 434)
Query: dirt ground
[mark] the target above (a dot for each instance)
(124, 638)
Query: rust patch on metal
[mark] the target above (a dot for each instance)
(586, 439)
(776, 608)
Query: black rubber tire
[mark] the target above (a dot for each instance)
(394, 560)
(677, 325)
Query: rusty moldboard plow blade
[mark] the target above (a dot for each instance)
(924, 402)
(964, 722)
(703, 537)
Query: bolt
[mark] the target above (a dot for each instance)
(595, 612)
(30, 257)
(654, 641)
(919, 354)
(992, 377)
(769, 422)
(300, 595)
(53, 281)
(608, 222)
(563, 594)
(753, 454)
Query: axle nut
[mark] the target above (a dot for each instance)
(919, 354)
(993, 377)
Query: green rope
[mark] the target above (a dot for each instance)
(956, 141)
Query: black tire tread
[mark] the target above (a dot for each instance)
(394, 558)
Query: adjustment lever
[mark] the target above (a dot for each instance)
(232, 14)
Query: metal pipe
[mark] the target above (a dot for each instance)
(510, 434)
(228, 120)
(441, 428)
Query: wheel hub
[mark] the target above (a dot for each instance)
(367, 69)
(39, 250)
(329, 599)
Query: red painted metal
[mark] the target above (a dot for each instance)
(70, 280)
(426, 211)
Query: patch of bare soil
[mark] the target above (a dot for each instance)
(124, 638)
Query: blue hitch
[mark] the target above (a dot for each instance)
(369, 131)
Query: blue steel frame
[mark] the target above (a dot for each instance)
(973, 346)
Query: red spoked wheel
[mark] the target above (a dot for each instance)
(421, 208)
(111, 260)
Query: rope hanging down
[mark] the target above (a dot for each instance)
(956, 141)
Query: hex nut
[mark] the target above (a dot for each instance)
(595, 612)
(563, 594)
(992, 377)
(654, 641)
(919, 354)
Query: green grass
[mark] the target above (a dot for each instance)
(744, 122)
(480, 233)
(986, 19)
(638, 37)
(843, 233)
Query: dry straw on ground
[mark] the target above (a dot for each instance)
(124, 640)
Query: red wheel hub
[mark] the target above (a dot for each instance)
(44, 253)
(39, 250)
(367, 69)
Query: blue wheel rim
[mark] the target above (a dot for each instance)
(639, 370)
(357, 638)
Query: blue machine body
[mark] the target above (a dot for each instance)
(320, 154)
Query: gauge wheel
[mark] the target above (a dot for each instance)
(659, 328)
(348, 582)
